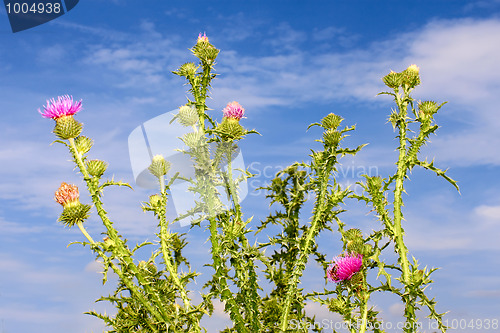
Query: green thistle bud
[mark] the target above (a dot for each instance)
(211, 53)
(374, 183)
(427, 109)
(206, 52)
(159, 167)
(356, 280)
(417, 277)
(193, 139)
(355, 246)
(155, 201)
(187, 70)
(353, 234)
(231, 128)
(67, 127)
(187, 116)
(108, 243)
(83, 144)
(318, 157)
(147, 267)
(393, 80)
(336, 305)
(96, 168)
(411, 76)
(367, 250)
(73, 214)
(331, 121)
(332, 138)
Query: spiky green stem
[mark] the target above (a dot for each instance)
(305, 250)
(399, 188)
(124, 253)
(164, 236)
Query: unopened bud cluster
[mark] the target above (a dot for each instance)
(409, 78)
(205, 51)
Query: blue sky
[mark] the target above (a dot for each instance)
(288, 63)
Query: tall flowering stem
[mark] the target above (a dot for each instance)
(327, 197)
(413, 279)
(226, 229)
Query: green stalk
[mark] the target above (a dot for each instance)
(164, 235)
(398, 204)
(226, 295)
(398, 191)
(130, 285)
(364, 306)
(304, 254)
(84, 232)
(120, 245)
(201, 99)
(247, 285)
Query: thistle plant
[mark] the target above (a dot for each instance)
(259, 283)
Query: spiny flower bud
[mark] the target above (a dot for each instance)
(83, 144)
(205, 51)
(331, 121)
(231, 128)
(417, 276)
(332, 138)
(67, 127)
(74, 214)
(355, 245)
(393, 80)
(155, 201)
(108, 243)
(187, 70)
(193, 139)
(353, 233)
(427, 109)
(336, 305)
(187, 116)
(96, 168)
(147, 267)
(159, 167)
(374, 183)
(411, 76)
(210, 54)
(318, 157)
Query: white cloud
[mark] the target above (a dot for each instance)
(444, 226)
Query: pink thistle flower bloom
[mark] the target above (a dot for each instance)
(64, 106)
(344, 267)
(202, 38)
(67, 195)
(234, 110)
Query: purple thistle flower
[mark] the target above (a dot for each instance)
(344, 267)
(202, 38)
(234, 110)
(64, 106)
